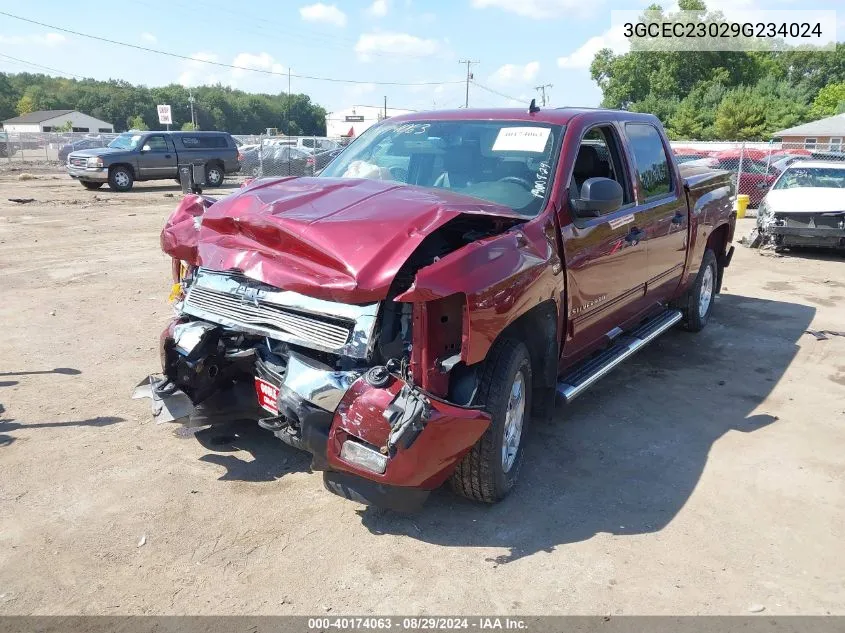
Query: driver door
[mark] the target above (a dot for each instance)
(158, 158)
(606, 261)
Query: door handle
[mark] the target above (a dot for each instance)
(634, 236)
(167, 155)
(678, 218)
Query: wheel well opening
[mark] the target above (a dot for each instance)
(125, 166)
(718, 243)
(537, 328)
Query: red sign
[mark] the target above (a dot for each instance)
(268, 395)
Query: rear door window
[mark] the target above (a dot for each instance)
(204, 141)
(652, 161)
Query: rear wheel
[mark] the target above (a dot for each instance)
(120, 179)
(489, 471)
(214, 175)
(699, 300)
(91, 185)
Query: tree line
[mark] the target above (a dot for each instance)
(128, 106)
(708, 95)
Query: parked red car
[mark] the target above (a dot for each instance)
(404, 316)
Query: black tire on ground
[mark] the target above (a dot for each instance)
(92, 185)
(698, 302)
(214, 175)
(121, 178)
(481, 475)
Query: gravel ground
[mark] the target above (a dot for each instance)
(704, 476)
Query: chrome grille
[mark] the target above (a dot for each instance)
(78, 162)
(268, 317)
(235, 301)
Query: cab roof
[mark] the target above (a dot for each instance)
(554, 116)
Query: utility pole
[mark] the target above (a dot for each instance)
(542, 90)
(191, 101)
(385, 106)
(469, 63)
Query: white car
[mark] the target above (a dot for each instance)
(806, 206)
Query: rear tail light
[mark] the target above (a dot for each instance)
(240, 157)
(310, 161)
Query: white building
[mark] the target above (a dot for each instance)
(48, 120)
(353, 121)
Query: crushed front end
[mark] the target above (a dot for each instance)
(331, 378)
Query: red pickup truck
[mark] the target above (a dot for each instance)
(406, 315)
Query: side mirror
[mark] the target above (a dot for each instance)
(146, 148)
(599, 196)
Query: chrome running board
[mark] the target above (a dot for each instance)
(598, 366)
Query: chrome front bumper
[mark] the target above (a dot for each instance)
(100, 174)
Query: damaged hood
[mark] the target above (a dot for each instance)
(336, 239)
(806, 200)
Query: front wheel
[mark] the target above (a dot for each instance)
(91, 186)
(699, 300)
(214, 175)
(489, 471)
(120, 179)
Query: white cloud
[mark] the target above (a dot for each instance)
(319, 12)
(262, 61)
(378, 9)
(149, 37)
(395, 43)
(46, 39)
(582, 57)
(515, 73)
(537, 9)
(197, 73)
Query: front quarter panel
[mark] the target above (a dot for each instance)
(502, 277)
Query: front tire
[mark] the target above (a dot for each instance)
(489, 471)
(214, 175)
(91, 186)
(121, 179)
(700, 298)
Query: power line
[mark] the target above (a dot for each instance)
(495, 92)
(222, 64)
(33, 64)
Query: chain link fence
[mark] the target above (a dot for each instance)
(261, 155)
(756, 165)
(278, 156)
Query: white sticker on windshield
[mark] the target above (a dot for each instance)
(521, 139)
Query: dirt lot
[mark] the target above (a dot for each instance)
(706, 476)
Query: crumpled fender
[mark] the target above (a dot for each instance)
(502, 277)
(180, 235)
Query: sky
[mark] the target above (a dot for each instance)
(519, 44)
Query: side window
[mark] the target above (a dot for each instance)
(156, 144)
(599, 157)
(652, 162)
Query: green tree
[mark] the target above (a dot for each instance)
(741, 116)
(829, 101)
(187, 126)
(26, 104)
(217, 107)
(67, 126)
(136, 123)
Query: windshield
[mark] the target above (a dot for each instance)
(798, 177)
(506, 162)
(126, 141)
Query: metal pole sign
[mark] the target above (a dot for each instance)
(164, 115)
